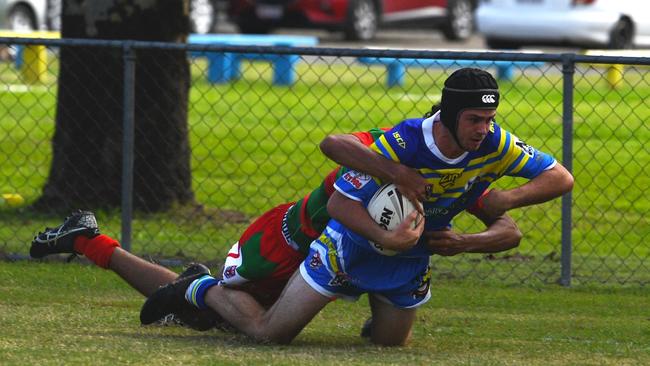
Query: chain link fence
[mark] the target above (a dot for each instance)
(255, 117)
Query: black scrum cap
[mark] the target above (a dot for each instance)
(467, 88)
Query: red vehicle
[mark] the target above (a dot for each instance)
(358, 19)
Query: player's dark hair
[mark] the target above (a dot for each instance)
(467, 88)
(434, 110)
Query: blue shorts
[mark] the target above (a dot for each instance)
(337, 267)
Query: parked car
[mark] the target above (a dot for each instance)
(613, 24)
(28, 15)
(358, 19)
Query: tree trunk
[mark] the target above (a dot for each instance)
(86, 167)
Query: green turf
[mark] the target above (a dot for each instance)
(255, 145)
(80, 315)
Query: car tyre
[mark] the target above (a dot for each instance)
(249, 23)
(203, 16)
(362, 20)
(460, 20)
(499, 44)
(21, 18)
(621, 35)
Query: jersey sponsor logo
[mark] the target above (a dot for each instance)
(356, 179)
(230, 272)
(435, 211)
(529, 150)
(488, 98)
(400, 141)
(448, 180)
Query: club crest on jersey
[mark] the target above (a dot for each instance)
(448, 180)
(356, 179)
(428, 190)
(230, 272)
(315, 261)
(400, 141)
(425, 282)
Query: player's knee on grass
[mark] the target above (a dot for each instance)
(391, 325)
(389, 339)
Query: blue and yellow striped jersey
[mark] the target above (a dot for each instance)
(457, 183)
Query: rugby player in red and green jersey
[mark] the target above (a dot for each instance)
(274, 245)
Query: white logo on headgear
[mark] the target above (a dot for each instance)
(488, 98)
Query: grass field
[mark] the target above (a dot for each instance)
(71, 314)
(255, 145)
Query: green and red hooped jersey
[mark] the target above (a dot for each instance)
(308, 217)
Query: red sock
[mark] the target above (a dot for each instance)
(98, 249)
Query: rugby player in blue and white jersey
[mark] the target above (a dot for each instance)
(460, 151)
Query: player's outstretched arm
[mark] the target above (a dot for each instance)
(355, 217)
(545, 187)
(500, 234)
(348, 151)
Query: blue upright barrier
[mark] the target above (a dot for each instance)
(396, 67)
(226, 66)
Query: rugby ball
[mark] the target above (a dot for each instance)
(389, 208)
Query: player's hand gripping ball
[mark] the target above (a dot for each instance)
(389, 208)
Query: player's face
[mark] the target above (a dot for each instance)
(473, 126)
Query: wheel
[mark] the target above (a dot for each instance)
(251, 24)
(203, 16)
(460, 20)
(21, 18)
(501, 44)
(621, 35)
(362, 20)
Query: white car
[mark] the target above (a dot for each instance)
(30, 15)
(612, 24)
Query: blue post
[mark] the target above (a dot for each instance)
(283, 73)
(20, 48)
(396, 72)
(233, 65)
(505, 70)
(220, 67)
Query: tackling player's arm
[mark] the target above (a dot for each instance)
(548, 179)
(348, 150)
(501, 234)
(353, 215)
(550, 184)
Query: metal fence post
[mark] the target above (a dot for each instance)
(128, 128)
(568, 70)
